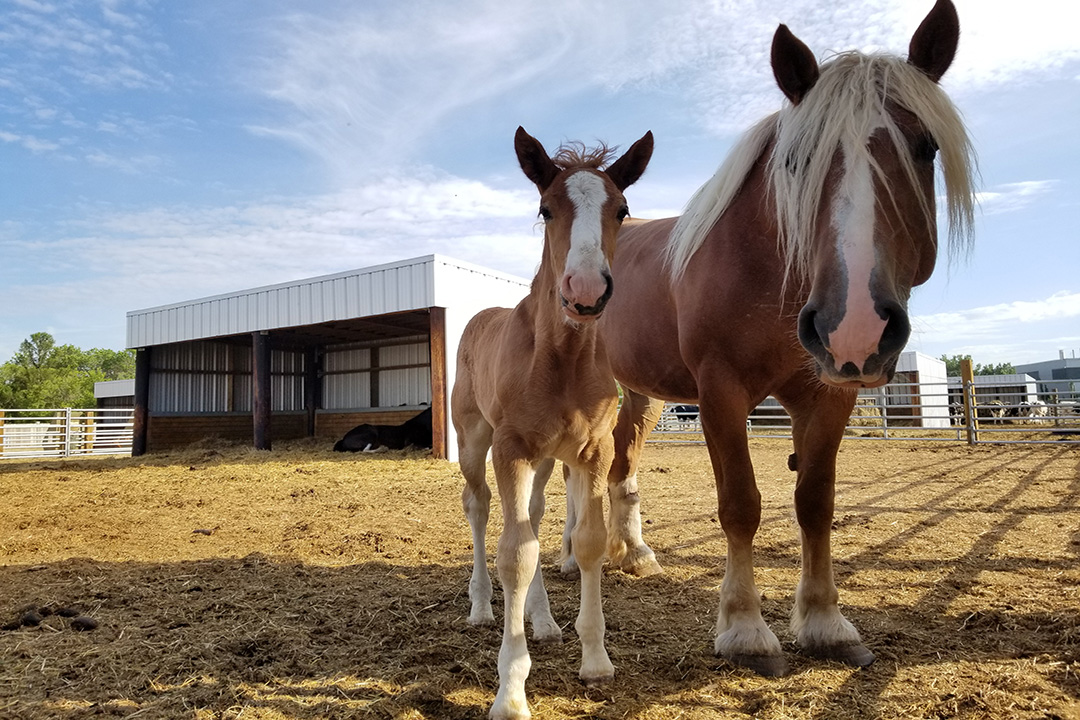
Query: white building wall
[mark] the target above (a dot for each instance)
(464, 290)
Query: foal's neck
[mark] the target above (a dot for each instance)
(551, 328)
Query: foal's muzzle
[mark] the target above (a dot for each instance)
(577, 311)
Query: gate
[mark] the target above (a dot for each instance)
(65, 432)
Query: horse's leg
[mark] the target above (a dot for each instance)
(587, 483)
(569, 568)
(741, 633)
(473, 445)
(626, 548)
(545, 629)
(818, 420)
(518, 554)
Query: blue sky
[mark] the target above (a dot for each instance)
(153, 152)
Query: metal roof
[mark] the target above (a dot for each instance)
(373, 304)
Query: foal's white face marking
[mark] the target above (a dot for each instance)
(587, 192)
(856, 337)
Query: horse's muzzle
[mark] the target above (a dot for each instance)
(876, 368)
(579, 312)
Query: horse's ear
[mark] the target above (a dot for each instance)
(933, 46)
(793, 64)
(534, 160)
(625, 171)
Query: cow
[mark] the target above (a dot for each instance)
(686, 413)
(415, 431)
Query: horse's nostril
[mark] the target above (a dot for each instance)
(897, 330)
(808, 331)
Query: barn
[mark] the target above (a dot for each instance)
(309, 358)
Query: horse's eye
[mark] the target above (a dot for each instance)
(545, 213)
(624, 212)
(924, 149)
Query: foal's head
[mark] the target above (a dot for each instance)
(582, 206)
(853, 176)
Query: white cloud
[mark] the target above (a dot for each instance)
(1013, 196)
(996, 321)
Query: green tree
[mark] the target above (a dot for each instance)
(952, 366)
(43, 374)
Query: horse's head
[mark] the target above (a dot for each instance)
(582, 206)
(853, 174)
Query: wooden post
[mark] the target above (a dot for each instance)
(971, 417)
(261, 403)
(141, 420)
(437, 347)
(373, 377)
(312, 387)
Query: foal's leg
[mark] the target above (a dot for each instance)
(741, 633)
(545, 629)
(626, 548)
(473, 445)
(818, 420)
(569, 568)
(519, 552)
(587, 484)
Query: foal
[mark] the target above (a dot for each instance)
(534, 385)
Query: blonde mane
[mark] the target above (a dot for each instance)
(848, 100)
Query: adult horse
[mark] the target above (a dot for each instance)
(788, 274)
(534, 385)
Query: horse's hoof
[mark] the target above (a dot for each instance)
(765, 665)
(643, 567)
(547, 635)
(570, 571)
(482, 620)
(855, 655)
(598, 680)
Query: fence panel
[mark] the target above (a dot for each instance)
(911, 411)
(66, 432)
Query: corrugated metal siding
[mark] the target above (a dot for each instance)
(204, 377)
(408, 285)
(347, 376)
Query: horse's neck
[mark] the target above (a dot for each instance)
(554, 337)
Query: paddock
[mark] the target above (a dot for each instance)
(299, 583)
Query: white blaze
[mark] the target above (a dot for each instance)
(585, 263)
(859, 332)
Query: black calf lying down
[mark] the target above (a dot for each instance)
(376, 438)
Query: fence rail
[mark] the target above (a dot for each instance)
(65, 432)
(915, 411)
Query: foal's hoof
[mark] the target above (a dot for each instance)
(765, 665)
(855, 655)
(547, 633)
(570, 571)
(598, 680)
(642, 567)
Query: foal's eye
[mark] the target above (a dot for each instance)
(624, 212)
(545, 213)
(924, 149)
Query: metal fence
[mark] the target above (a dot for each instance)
(915, 411)
(65, 432)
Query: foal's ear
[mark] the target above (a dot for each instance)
(933, 46)
(625, 171)
(793, 64)
(534, 160)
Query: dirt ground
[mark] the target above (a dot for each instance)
(302, 583)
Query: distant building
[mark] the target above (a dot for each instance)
(1010, 390)
(1061, 376)
(115, 394)
(918, 391)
